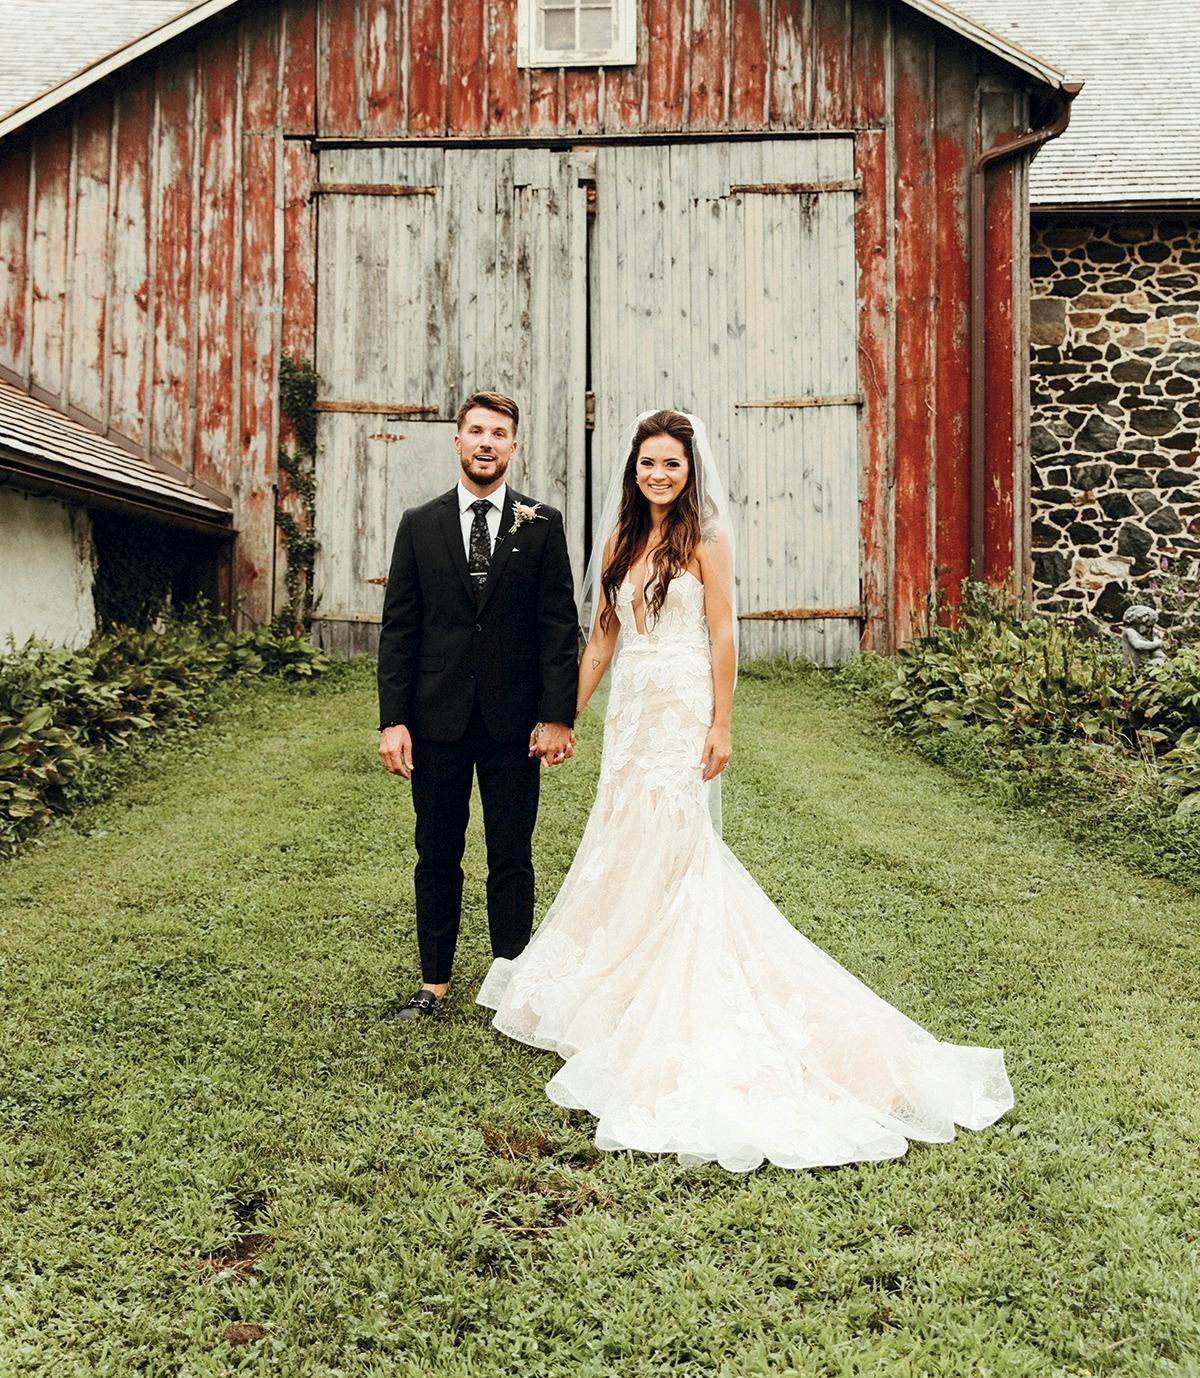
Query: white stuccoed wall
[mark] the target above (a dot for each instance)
(46, 566)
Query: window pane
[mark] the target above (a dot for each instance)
(595, 28)
(560, 29)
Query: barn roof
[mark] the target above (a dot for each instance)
(1133, 138)
(54, 48)
(43, 450)
(35, 76)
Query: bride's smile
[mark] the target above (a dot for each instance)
(662, 470)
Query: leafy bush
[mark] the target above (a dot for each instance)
(1175, 592)
(60, 707)
(1011, 675)
(1020, 680)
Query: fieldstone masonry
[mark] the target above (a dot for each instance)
(1115, 382)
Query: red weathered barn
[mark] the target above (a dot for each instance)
(805, 219)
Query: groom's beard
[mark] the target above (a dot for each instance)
(484, 472)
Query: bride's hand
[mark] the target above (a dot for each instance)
(718, 747)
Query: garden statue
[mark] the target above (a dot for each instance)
(1140, 642)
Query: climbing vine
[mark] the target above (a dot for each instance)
(298, 381)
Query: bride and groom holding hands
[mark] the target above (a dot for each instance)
(691, 1016)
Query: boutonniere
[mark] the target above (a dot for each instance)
(524, 512)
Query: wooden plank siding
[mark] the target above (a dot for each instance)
(1000, 117)
(88, 286)
(952, 174)
(159, 240)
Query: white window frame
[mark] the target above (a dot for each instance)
(622, 52)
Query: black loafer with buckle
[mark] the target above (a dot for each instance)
(420, 1006)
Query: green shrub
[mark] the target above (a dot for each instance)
(59, 708)
(1013, 676)
(1020, 680)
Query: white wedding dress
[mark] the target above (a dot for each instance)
(694, 1019)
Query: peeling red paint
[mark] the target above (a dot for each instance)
(130, 319)
(382, 98)
(868, 77)
(748, 64)
(426, 87)
(874, 312)
(14, 266)
(998, 375)
(298, 96)
(215, 289)
(952, 158)
(508, 89)
(581, 100)
(831, 41)
(544, 100)
(467, 68)
(706, 60)
(49, 260)
(665, 27)
(337, 93)
(792, 66)
(174, 307)
(915, 311)
(88, 287)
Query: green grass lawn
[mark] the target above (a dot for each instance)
(206, 1121)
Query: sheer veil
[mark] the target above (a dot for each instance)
(715, 513)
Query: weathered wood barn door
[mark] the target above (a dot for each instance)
(717, 277)
(440, 271)
(723, 283)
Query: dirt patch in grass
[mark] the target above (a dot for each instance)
(536, 1203)
(244, 1333)
(248, 1246)
(239, 1258)
(518, 1142)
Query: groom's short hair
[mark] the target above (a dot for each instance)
(493, 401)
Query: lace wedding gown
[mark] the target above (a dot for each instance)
(694, 1019)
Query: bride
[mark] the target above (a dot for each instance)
(692, 1017)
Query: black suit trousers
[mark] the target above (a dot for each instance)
(441, 789)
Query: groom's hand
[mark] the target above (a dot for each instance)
(552, 742)
(395, 751)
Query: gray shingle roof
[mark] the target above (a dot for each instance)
(1134, 135)
(46, 41)
(38, 441)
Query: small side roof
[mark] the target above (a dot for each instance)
(30, 17)
(1134, 139)
(42, 450)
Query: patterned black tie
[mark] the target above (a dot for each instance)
(481, 546)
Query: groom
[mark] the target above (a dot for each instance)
(477, 676)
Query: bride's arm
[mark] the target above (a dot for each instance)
(717, 570)
(599, 651)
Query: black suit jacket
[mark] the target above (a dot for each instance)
(516, 649)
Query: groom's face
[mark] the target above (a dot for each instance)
(485, 443)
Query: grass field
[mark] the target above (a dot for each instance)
(207, 1124)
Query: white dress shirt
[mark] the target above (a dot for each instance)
(466, 517)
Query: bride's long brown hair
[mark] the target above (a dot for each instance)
(680, 526)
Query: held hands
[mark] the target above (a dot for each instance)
(395, 751)
(552, 743)
(718, 747)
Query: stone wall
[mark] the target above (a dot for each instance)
(1115, 382)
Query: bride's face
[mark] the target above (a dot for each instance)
(661, 470)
